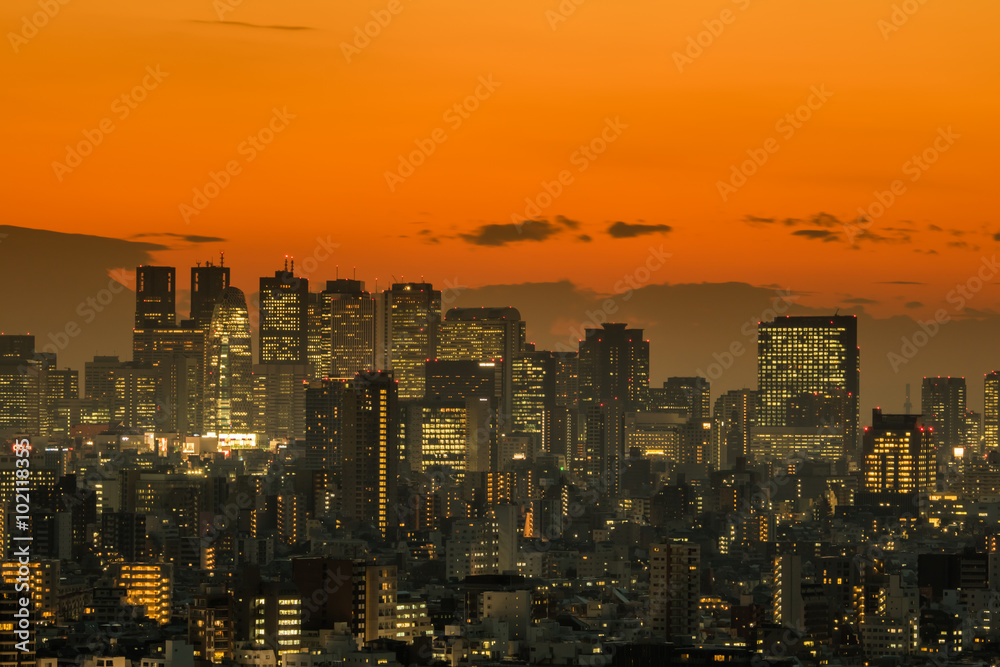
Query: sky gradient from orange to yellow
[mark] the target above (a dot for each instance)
(325, 174)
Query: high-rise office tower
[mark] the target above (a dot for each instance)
(16, 348)
(155, 297)
(324, 425)
(178, 356)
(458, 380)
(207, 283)
(279, 400)
(898, 455)
(541, 403)
(942, 402)
(136, 403)
(370, 450)
(674, 590)
(614, 379)
(99, 384)
(734, 414)
(351, 312)
(687, 396)
(407, 323)
(283, 316)
(483, 334)
(318, 336)
(23, 385)
(228, 380)
(614, 366)
(991, 411)
(533, 390)
(802, 356)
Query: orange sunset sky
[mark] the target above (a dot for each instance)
(562, 70)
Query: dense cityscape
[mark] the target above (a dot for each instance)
(321, 475)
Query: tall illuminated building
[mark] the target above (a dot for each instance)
(324, 425)
(991, 411)
(178, 355)
(283, 317)
(542, 403)
(614, 366)
(734, 414)
(483, 334)
(614, 379)
(688, 396)
(798, 357)
(207, 284)
(148, 585)
(898, 455)
(135, 400)
(99, 383)
(674, 590)
(942, 402)
(408, 315)
(279, 400)
(228, 379)
(155, 297)
(16, 348)
(370, 450)
(351, 312)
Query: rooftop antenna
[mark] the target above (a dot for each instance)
(355, 273)
(293, 265)
(286, 262)
(222, 258)
(338, 272)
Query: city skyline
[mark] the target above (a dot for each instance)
(689, 336)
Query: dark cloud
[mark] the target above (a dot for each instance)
(584, 237)
(498, 234)
(816, 234)
(754, 220)
(256, 25)
(913, 304)
(563, 220)
(190, 238)
(624, 230)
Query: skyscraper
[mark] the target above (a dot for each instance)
(898, 455)
(283, 307)
(614, 366)
(942, 402)
(341, 329)
(408, 318)
(228, 381)
(155, 297)
(802, 356)
(324, 425)
(991, 411)
(735, 412)
(207, 283)
(684, 395)
(483, 334)
(279, 400)
(370, 450)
